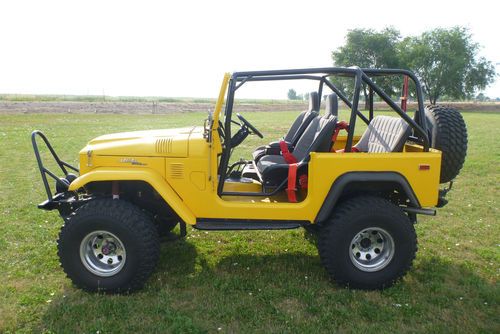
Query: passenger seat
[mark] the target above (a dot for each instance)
(384, 134)
(332, 105)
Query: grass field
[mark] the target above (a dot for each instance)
(230, 282)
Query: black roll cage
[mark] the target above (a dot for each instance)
(361, 76)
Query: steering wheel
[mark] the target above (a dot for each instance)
(250, 126)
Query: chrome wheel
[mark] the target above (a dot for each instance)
(102, 253)
(372, 249)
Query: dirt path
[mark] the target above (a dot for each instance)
(134, 107)
(170, 107)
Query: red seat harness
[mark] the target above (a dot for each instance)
(289, 157)
(292, 183)
(292, 172)
(342, 125)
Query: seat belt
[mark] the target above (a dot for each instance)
(292, 183)
(292, 171)
(289, 157)
(342, 125)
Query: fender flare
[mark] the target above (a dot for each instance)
(344, 180)
(149, 176)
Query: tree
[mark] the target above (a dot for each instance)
(292, 94)
(447, 63)
(369, 48)
(481, 97)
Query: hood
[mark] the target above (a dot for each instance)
(150, 143)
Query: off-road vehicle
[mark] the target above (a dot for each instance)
(360, 195)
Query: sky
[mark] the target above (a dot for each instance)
(183, 48)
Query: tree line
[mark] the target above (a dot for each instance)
(446, 61)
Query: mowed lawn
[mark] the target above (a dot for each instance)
(245, 282)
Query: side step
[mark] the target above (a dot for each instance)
(247, 224)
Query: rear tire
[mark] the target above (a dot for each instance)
(108, 245)
(448, 134)
(369, 243)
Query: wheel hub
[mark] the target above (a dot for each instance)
(102, 253)
(108, 248)
(371, 249)
(365, 243)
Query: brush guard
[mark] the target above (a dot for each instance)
(60, 198)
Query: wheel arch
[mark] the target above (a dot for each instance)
(364, 181)
(150, 177)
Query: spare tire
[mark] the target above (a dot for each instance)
(447, 133)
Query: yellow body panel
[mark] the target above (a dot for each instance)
(324, 169)
(126, 162)
(185, 195)
(341, 141)
(166, 143)
(139, 174)
(181, 165)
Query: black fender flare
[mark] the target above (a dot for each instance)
(340, 184)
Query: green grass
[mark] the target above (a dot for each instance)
(246, 281)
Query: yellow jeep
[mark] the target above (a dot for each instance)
(360, 195)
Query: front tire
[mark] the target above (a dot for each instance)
(109, 246)
(369, 243)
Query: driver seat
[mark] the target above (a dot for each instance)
(273, 169)
(296, 130)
